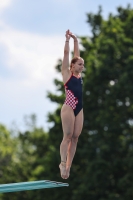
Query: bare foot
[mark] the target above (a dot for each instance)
(62, 167)
(67, 171)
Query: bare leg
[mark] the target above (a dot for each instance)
(68, 118)
(63, 153)
(73, 144)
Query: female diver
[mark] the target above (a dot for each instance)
(72, 109)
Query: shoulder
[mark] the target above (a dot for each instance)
(66, 74)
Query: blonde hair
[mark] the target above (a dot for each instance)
(74, 60)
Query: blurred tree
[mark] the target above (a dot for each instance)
(31, 160)
(7, 150)
(102, 166)
(108, 87)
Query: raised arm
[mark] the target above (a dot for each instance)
(76, 46)
(65, 62)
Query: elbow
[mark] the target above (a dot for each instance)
(77, 54)
(66, 52)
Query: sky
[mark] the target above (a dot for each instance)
(32, 35)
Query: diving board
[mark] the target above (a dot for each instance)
(31, 185)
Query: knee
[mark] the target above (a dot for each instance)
(68, 137)
(75, 139)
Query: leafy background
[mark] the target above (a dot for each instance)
(102, 167)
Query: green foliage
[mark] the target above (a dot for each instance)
(31, 162)
(103, 162)
(102, 167)
(108, 110)
(7, 150)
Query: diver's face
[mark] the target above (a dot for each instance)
(78, 66)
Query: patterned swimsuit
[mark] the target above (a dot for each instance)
(73, 89)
